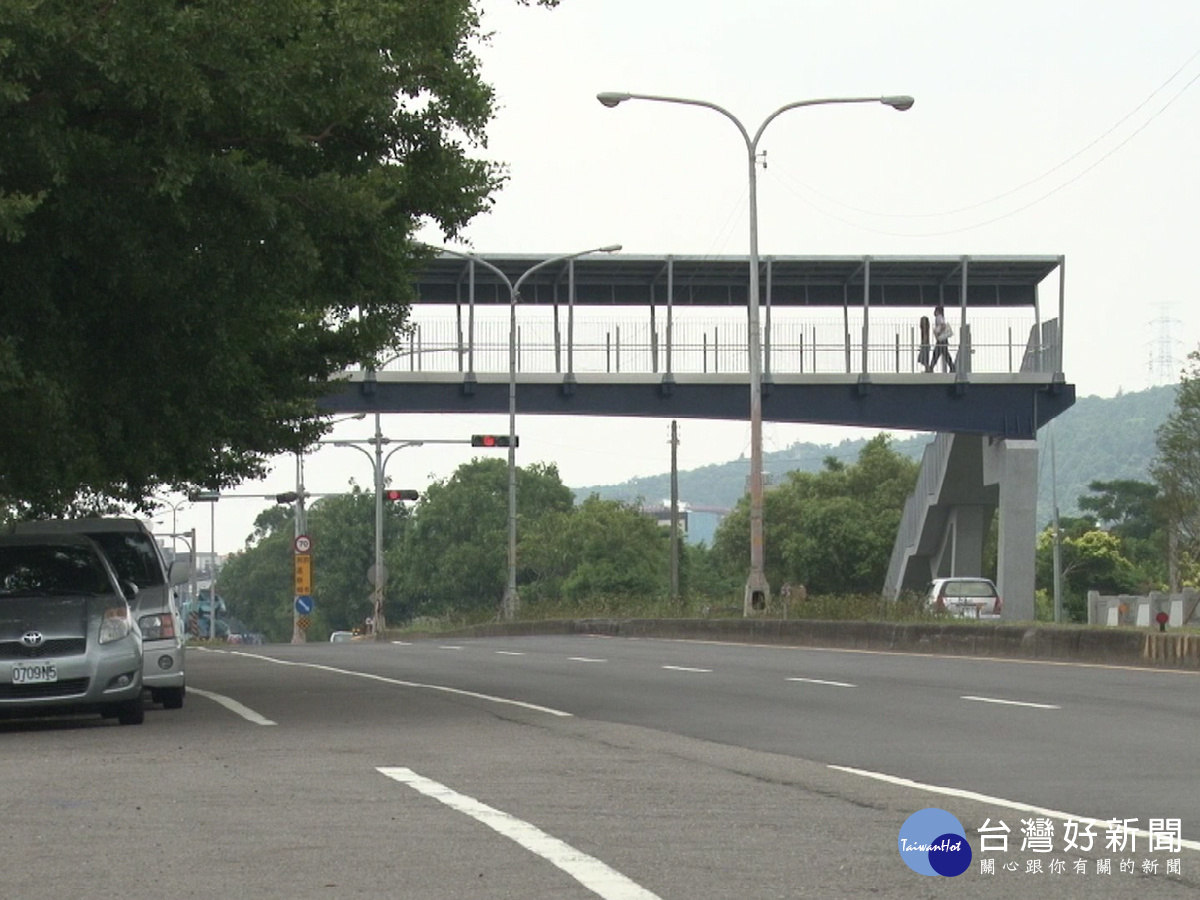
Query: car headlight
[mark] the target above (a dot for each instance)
(116, 624)
(156, 627)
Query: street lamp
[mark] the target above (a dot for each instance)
(511, 601)
(758, 592)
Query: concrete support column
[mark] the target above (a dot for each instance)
(1013, 465)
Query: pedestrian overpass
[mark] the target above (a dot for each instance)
(668, 336)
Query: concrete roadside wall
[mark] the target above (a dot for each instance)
(1140, 611)
(1111, 646)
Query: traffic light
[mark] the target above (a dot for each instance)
(395, 495)
(288, 497)
(494, 440)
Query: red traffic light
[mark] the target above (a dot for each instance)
(493, 440)
(394, 495)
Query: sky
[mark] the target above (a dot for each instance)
(1040, 127)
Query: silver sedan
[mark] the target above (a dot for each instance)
(68, 641)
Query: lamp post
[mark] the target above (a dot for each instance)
(379, 466)
(511, 601)
(758, 592)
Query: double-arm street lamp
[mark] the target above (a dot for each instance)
(379, 465)
(511, 601)
(758, 592)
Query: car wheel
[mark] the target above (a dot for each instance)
(171, 698)
(132, 712)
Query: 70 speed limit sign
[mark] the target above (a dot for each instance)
(303, 543)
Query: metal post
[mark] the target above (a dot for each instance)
(378, 621)
(511, 601)
(212, 581)
(674, 511)
(193, 588)
(758, 593)
(299, 636)
(757, 596)
(1058, 610)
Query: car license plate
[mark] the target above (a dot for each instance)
(34, 673)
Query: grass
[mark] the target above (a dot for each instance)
(840, 607)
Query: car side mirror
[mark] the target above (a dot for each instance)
(179, 572)
(129, 589)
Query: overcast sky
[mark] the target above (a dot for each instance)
(1040, 127)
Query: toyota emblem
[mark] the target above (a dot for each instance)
(32, 639)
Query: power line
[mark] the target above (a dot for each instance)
(1050, 193)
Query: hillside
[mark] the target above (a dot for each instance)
(1097, 439)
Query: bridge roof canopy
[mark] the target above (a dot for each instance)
(714, 281)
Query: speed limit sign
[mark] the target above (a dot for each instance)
(303, 543)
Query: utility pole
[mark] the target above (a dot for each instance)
(674, 511)
(298, 634)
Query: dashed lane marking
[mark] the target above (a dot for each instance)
(232, 705)
(594, 875)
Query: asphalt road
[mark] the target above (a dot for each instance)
(626, 769)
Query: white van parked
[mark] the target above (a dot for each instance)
(135, 555)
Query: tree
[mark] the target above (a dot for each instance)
(831, 531)
(455, 556)
(1091, 561)
(206, 210)
(601, 549)
(342, 528)
(1176, 471)
(1125, 507)
(257, 583)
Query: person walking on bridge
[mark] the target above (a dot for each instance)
(942, 332)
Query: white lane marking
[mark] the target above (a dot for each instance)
(448, 647)
(585, 659)
(1010, 702)
(1147, 670)
(510, 653)
(412, 684)
(819, 681)
(685, 669)
(997, 801)
(402, 643)
(587, 870)
(232, 705)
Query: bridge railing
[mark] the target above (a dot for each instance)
(708, 346)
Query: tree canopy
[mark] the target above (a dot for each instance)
(831, 531)
(1177, 470)
(206, 209)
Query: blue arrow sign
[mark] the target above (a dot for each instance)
(304, 605)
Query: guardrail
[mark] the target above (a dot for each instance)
(613, 346)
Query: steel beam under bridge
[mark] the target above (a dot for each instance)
(1011, 406)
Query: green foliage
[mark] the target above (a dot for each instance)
(205, 211)
(258, 583)
(1176, 470)
(1091, 561)
(456, 553)
(832, 531)
(599, 548)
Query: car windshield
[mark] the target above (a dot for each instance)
(48, 569)
(133, 555)
(968, 589)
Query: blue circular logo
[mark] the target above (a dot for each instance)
(933, 842)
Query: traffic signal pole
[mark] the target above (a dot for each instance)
(379, 463)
